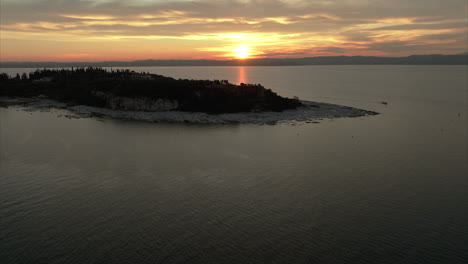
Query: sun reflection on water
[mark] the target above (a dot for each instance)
(241, 75)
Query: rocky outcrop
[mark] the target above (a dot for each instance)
(136, 103)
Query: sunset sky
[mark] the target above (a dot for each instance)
(98, 30)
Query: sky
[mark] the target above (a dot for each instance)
(103, 30)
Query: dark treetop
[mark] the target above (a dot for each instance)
(102, 88)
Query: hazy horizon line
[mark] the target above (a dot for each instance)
(230, 60)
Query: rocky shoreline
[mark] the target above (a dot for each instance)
(309, 112)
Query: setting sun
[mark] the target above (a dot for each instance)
(242, 52)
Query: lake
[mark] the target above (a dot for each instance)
(390, 188)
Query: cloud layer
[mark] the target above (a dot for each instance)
(139, 29)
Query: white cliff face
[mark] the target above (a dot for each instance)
(137, 103)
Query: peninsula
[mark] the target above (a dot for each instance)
(125, 94)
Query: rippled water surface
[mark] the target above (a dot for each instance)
(391, 188)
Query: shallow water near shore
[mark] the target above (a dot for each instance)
(390, 188)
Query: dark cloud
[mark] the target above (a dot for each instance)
(288, 54)
(334, 50)
(403, 47)
(454, 25)
(357, 36)
(449, 36)
(14, 10)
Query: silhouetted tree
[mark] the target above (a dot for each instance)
(4, 76)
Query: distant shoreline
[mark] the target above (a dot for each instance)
(460, 59)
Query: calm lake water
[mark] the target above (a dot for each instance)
(391, 188)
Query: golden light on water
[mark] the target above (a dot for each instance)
(241, 75)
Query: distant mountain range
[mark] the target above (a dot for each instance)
(460, 59)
